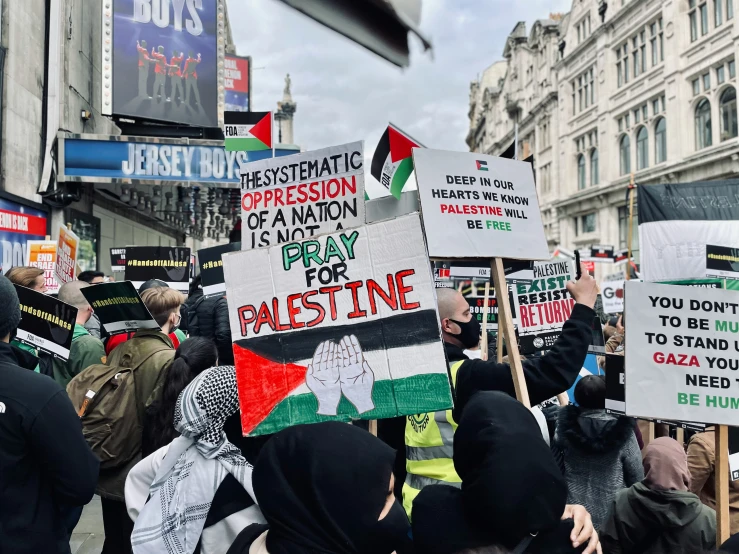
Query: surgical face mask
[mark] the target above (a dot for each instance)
(469, 334)
(176, 326)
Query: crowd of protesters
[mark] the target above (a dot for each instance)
(487, 476)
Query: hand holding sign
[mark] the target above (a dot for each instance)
(322, 378)
(357, 379)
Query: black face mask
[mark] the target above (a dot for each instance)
(469, 335)
(389, 533)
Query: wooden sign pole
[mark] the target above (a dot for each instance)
(484, 341)
(723, 524)
(373, 427)
(631, 227)
(500, 342)
(505, 328)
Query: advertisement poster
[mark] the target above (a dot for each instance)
(18, 225)
(170, 264)
(722, 262)
(341, 327)
(165, 61)
(118, 259)
(682, 353)
(46, 323)
(119, 308)
(479, 206)
(544, 305)
(42, 254)
(237, 83)
(67, 247)
(211, 268)
(286, 199)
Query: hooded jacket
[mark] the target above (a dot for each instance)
(46, 466)
(646, 521)
(208, 317)
(601, 456)
(511, 489)
(85, 351)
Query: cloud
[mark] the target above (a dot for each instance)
(346, 93)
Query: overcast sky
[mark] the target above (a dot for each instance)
(346, 93)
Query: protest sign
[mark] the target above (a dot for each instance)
(478, 311)
(615, 387)
(544, 305)
(698, 283)
(681, 344)
(118, 259)
(300, 196)
(722, 262)
(67, 245)
(211, 268)
(734, 453)
(612, 294)
(170, 264)
(42, 254)
(339, 327)
(119, 308)
(479, 206)
(46, 323)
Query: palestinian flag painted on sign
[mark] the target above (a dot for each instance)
(247, 131)
(392, 163)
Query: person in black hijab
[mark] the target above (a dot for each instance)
(513, 493)
(325, 488)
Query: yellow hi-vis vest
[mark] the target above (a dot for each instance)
(429, 447)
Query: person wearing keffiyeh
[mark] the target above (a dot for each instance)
(201, 494)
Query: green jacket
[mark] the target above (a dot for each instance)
(646, 521)
(85, 351)
(149, 378)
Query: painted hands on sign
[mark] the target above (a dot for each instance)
(584, 290)
(337, 369)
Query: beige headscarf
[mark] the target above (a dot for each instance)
(666, 466)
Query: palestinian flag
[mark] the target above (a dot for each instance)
(392, 163)
(247, 131)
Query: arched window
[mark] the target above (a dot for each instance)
(594, 172)
(642, 148)
(703, 124)
(727, 105)
(660, 141)
(624, 151)
(581, 172)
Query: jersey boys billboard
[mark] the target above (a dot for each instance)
(165, 60)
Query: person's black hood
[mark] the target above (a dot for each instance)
(593, 430)
(510, 479)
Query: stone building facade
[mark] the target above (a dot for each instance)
(611, 89)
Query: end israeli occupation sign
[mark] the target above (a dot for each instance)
(683, 353)
(300, 196)
(338, 327)
(479, 206)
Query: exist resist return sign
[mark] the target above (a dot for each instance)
(683, 353)
(478, 206)
(339, 327)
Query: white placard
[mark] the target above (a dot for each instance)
(682, 356)
(300, 196)
(612, 293)
(479, 206)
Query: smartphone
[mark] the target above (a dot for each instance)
(612, 322)
(578, 270)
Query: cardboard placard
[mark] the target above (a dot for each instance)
(544, 305)
(211, 268)
(516, 271)
(479, 206)
(681, 353)
(612, 294)
(478, 311)
(301, 196)
(46, 323)
(118, 259)
(734, 453)
(339, 327)
(119, 307)
(42, 254)
(722, 262)
(67, 246)
(170, 264)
